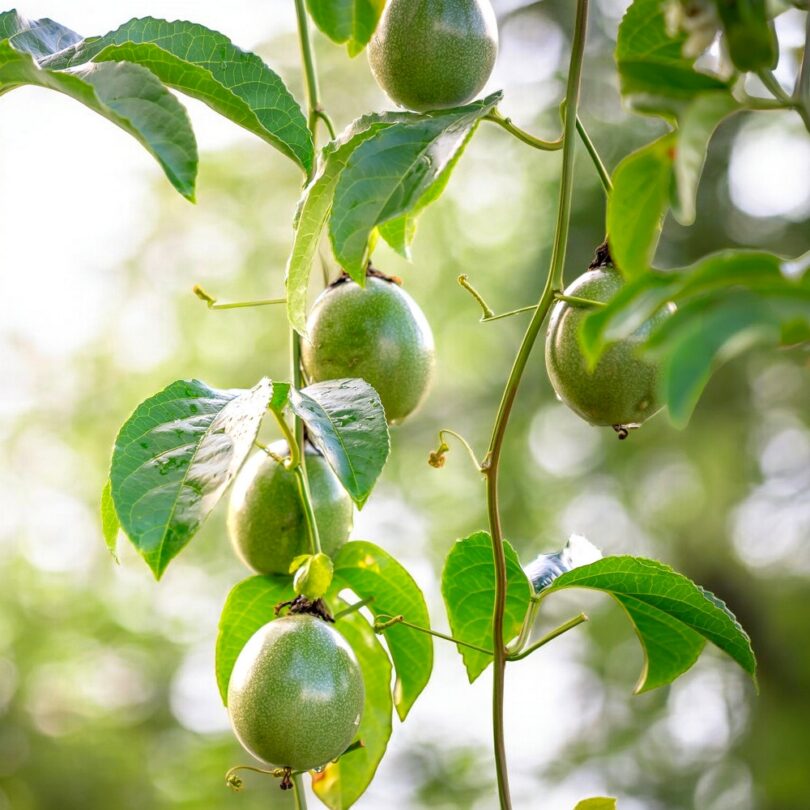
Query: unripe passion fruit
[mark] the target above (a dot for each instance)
(266, 520)
(430, 54)
(377, 333)
(622, 390)
(296, 693)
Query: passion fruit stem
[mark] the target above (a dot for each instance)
(212, 302)
(382, 624)
(604, 175)
(353, 608)
(295, 463)
(563, 628)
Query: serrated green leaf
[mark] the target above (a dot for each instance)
(206, 65)
(468, 588)
(696, 127)
(128, 95)
(174, 458)
(388, 174)
(637, 204)
(597, 803)
(373, 573)
(109, 520)
(671, 615)
(249, 606)
(342, 783)
(654, 75)
(346, 421)
(347, 21)
(36, 37)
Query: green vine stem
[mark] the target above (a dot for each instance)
(487, 314)
(801, 92)
(555, 633)
(316, 113)
(576, 301)
(299, 795)
(492, 462)
(603, 173)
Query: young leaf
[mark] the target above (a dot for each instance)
(206, 65)
(373, 573)
(345, 420)
(672, 616)
(129, 96)
(173, 459)
(341, 783)
(249, 606)
(597, 803)
(749, 33)
(696, 127)
(468, 588)
(388, 174)
(654, 75)
(314, 211)
(109, 520)
(349, 21)
(36, 37)
(636, 206)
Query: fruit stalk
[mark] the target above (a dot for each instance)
(299, 796)
(492, 462)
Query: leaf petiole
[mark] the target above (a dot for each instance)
(563, 628)
(577, 301)
(381, 626)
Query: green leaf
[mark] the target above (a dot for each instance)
(206, 65)
(249, 606)
(672, 616)
(399, 233)
(281, 397)
(129, 96)
(314, 209)
(637, 204)
(109, 520)
(468, 588)
(749, 34)
(373, 573)
(342, 783)
(174, 458)
(696, 127)
(345, 420)
(349, 21)
(654, 75)
(36, 37)
(388, 174)
(597, 803)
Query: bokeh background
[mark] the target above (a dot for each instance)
(107, 692)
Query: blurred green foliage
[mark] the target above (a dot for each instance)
(106, 678)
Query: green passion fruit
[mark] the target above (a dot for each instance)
(295, 697)
(266, 521)
(622, 390)
(377, 333)
(431, 54)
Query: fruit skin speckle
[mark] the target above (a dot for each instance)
(296, 694)
(265, 520)
(622, 390)
(432, 54)
(377, 333)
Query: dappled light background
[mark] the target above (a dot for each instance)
(107, 691)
